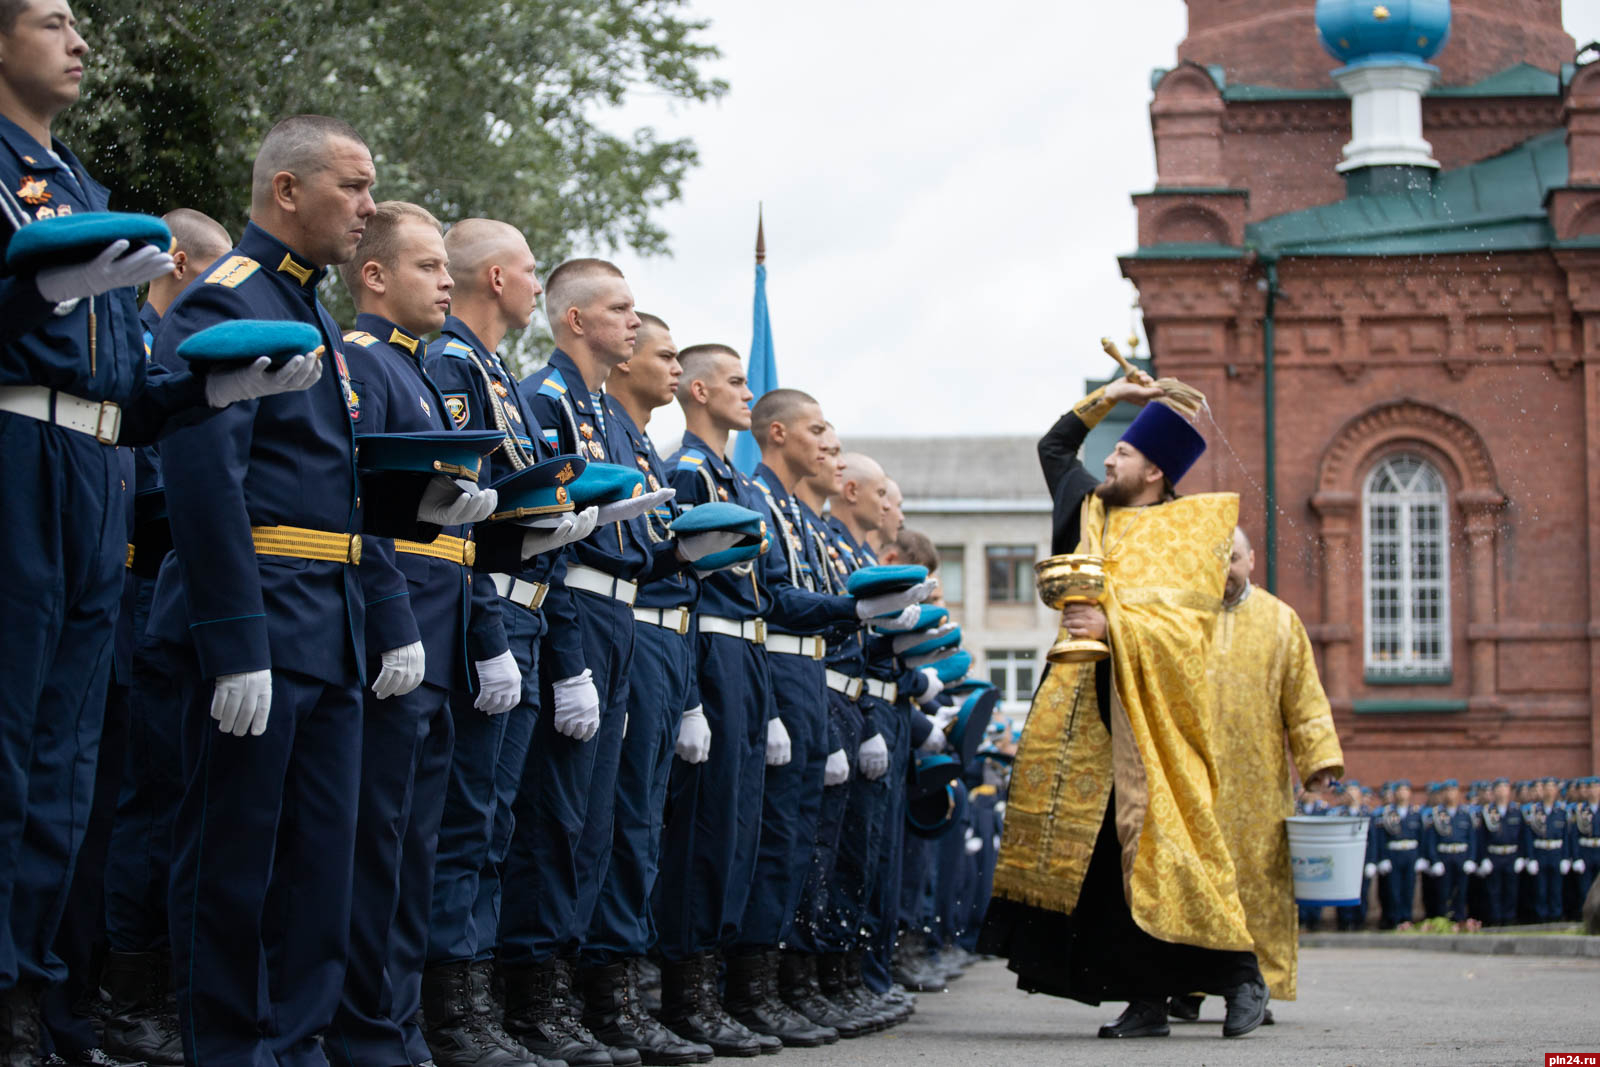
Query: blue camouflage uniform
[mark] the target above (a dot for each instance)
(65, 540)
(481, 393)
(264, 837)
(406, 739)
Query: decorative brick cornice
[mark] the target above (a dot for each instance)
(1387, 424)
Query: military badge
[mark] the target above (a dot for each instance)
(1585, 821)
(456, 405)
(561, 493)
(565, 474)
(655, 486)
(45, 213)
(596, 451)
(426, 410)
(499, 388)
(586, 430)
(721, 492)
(644, 464)
(511, 412)
(352, 400)
(1491, 819)
(32, 191)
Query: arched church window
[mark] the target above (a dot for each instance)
(1406, 553)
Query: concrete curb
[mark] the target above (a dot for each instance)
(1571, 946)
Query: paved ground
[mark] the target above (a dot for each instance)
(1356, 1007)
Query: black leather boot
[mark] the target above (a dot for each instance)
(684, 1009)
(831, 979)
(19, 1026)
(615, 1015)
(458, 1020)
(857, 990)
(797, 985)
(912, 966)
(752, 998)
(539, 1016)
(141, 1019)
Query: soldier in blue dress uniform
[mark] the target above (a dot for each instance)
(1448, 841)
(1545, 830)
(1400, 857)
(1585, 823)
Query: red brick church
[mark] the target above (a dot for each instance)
(1380, 260)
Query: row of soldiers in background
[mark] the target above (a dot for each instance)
(1505, 852)
(385, 771)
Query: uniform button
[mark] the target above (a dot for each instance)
(358, 502)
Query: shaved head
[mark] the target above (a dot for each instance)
(779, 405)
(197, 234)
(475, 244)
(860, 467)
(699, 362)
(297, 146)
(577, 283)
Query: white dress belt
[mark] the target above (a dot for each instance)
(674, 619)
(752, 630)
(884, 691)
(840, 682)
(599, 582)
(100, 419)
(795, 645)
(528, 594)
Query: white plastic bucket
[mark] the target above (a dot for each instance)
(1327, 853)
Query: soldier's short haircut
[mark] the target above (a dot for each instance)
(381, 242)
(199, 236)
(697, 361)
(474, 244)
(574, 284)
(916, 548)
(655, 322)
(10, 11)
(296, 145)
(779, 405)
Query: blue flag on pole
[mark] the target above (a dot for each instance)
(763, 367)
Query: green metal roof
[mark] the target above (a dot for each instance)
(1523, 79)
(1494, 205)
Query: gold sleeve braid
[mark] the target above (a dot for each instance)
(1094, 407)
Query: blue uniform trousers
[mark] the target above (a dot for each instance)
(658, 684)
(1503, 878)
(1452, 890)
(263, 846)
(953, 873)
(791, 803)
(814, 931)
(861, 842)
(140, 859)
(881, 918)
(405, 765)
(561, 840)
(65, 543)
(1400, 889)
(485, 769)
(708, 845)
(984, 825)
(1547, 903)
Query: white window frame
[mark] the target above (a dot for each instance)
(1008, 660)
(1424, 487)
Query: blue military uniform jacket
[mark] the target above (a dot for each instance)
(1546, 833)
(799, 566)
(1449, 835)
(455, 610)
(284, 460)
(39, 346)
(1501, 834)
(1400, 840)
(681, 587)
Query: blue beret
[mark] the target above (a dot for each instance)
(730, 557)
(454, 453)
(1166, 439)
(542, 489)
(935, 812)
(78, 238)
(247, 340)
(1398, 782)
(722, 516)
(934, 644)
(966, 730)
(605, 483)
(1549, 779)
(954, 668)
(1449, 783)
(931, 615)
(872, 581)
(967, 686)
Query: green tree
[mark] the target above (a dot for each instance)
(474, 107)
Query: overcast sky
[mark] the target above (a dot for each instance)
(946, 188)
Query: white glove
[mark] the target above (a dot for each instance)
(999, 807)
(1437, 870)
(103, 273)
(1485, 868)
(935, 741)
(779, 750)
(499, 684)
(1470, 867)
(1384, 866)
(694, 736)
(548, 535)
(1579, 865)
(623, 510)
(1422, 865)
(401, 671)
(1566, 866)
(1519, 865)
(577, 707)
(241, 702)
(974, 843)
(889, 603)
(1533, 867)
(224, 387)
(1369, 870)
(701, 545)
(873, 757)
(905, 641)
(935, 686)
(837, 770)
(918, 662)
(455, 501)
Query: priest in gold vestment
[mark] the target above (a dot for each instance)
(1114, 879)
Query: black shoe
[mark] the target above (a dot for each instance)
(856, 990)
(912, 966)
(833, 976)
(539, 1017)
(1185, 1009)
(141, 1020)
(459, 1020)
(1247, 1008)
(19, 1025)
(799, 988)
(1141, 1018)
(690, 1008)
(93, 1057)
(614, 1014)
(1267, 1019)
(752, 998)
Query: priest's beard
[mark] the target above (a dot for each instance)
(1119, 492)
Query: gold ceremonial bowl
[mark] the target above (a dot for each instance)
(1074, 578)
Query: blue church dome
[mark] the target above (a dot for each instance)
(1365, 31)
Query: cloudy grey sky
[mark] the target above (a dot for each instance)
(946, 189)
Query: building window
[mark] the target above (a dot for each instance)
(953, 573)
(1011, 671)
(1407, 576)
(1010, 573)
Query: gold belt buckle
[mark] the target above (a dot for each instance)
(816, 648)
(682, 628)
(355, 549)
(108, 409)
(761, 631)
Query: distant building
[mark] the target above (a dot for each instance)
(1386, 277)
